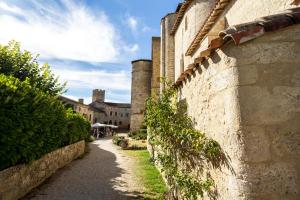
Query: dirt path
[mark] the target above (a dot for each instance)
(105, 174)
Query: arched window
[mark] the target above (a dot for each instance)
(116, 123)
(110, 122)
(120, 123)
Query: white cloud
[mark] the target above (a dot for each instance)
(132, 49)
(13, 9)
(89, 80)
(70, 31)
(132, 23)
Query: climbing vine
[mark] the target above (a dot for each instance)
(177, 144)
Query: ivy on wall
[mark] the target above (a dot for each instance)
(179, 147)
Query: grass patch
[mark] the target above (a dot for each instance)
(137, 144)
(148, 175)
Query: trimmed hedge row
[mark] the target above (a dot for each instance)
(33, 123)
(139, 134)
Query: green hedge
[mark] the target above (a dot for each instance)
(139, 135)
(33, 123)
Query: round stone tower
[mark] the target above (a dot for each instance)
(140, 91)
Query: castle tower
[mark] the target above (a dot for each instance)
(155, 82)
(167, 49)
(98, 95)
(140, 91)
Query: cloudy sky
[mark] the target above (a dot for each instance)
(88, 43)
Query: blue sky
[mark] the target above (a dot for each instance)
(88, 43)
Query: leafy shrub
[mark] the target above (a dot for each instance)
(139, 135)
(78, 128)
(22, 65)
(124, 143)
(117, 139)
(181, 150)
(33, 123)
(121, 141)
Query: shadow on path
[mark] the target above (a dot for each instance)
(92, 177)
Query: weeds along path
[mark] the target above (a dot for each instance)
(105, 173)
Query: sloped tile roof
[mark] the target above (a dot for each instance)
(207, 25)
(243, 33)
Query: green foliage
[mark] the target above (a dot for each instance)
(22, 65)
(139, 135)
(78, 128)
(33, 121)
(118, 139)
(179, 145)
(148, 175)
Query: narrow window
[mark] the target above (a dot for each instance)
(186, 23)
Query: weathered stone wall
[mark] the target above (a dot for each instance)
(239, 11)
(162, 53)
(155, 79)
(247, 98)
(169, 45)
(242, 11)
(140, 91)
(17, 181)
(98, 95)
(167, 48)
(119, 116)
(191, 23)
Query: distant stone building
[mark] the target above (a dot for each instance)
(116, 113)
(100, 111)
(80, 107)
(236, 65)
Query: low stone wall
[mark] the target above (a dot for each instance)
(17, 181)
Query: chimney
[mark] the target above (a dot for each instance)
(81, 101)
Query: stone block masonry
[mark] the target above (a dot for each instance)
(246, 97)
(17, 181)
(140, 91)
(155, 78)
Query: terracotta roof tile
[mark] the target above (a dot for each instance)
(295, 2)
(245, 32)
(182, 7)
(248, 31)
(208, 24)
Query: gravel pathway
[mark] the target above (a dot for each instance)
(105, 174)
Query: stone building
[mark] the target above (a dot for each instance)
(115, 113)
(100, 111)
(236, 65)
(80, 107)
